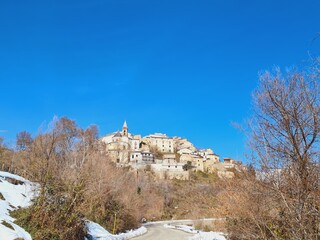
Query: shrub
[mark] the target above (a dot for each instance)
(54, 214)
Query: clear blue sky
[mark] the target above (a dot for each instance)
(184, 68)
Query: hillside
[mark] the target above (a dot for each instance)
(15, 192)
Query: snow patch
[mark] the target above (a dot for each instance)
(199, 235)
(208, 236)
(97, 232)
(134, 233)
(184, 228)
(15, 196)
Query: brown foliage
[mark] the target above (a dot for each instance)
(24, 141)
(112, 190)
(283, 201)
(79, 181)
(191, 199)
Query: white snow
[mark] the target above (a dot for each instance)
(15, 196)
(96, 232)
(199, 235)
(133, 233)
(173, 222)
(184, 228)
(208, 236)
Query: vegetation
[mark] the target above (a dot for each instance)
(156, 152)
(54, 215)
(206, 177)
(78, 182)
(4, 223)
(282, 199)
(277, 197)
(191, 199)
(6, 156)
(187, 166)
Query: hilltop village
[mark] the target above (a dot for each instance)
(168, 157)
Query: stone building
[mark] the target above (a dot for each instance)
(170, 169)
(160, 141)
(183, 143)
(164, 154)
(125, 148)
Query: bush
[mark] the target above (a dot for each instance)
(54, 214)
(78, 180)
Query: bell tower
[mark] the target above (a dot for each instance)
(125, 129)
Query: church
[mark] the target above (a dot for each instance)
(126, 148)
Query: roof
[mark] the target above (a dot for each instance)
(118, 134)
(125, 124)
(157, 135)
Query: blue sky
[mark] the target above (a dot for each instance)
(184, 68)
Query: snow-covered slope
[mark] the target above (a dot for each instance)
(96, 232)
(16, 192)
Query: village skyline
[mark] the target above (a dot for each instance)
(159, 120)
(183, 68)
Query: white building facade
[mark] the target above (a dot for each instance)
(161, 142)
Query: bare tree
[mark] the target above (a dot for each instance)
(1, 144)
(281, 198)
(24, 141)
(285, 143)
